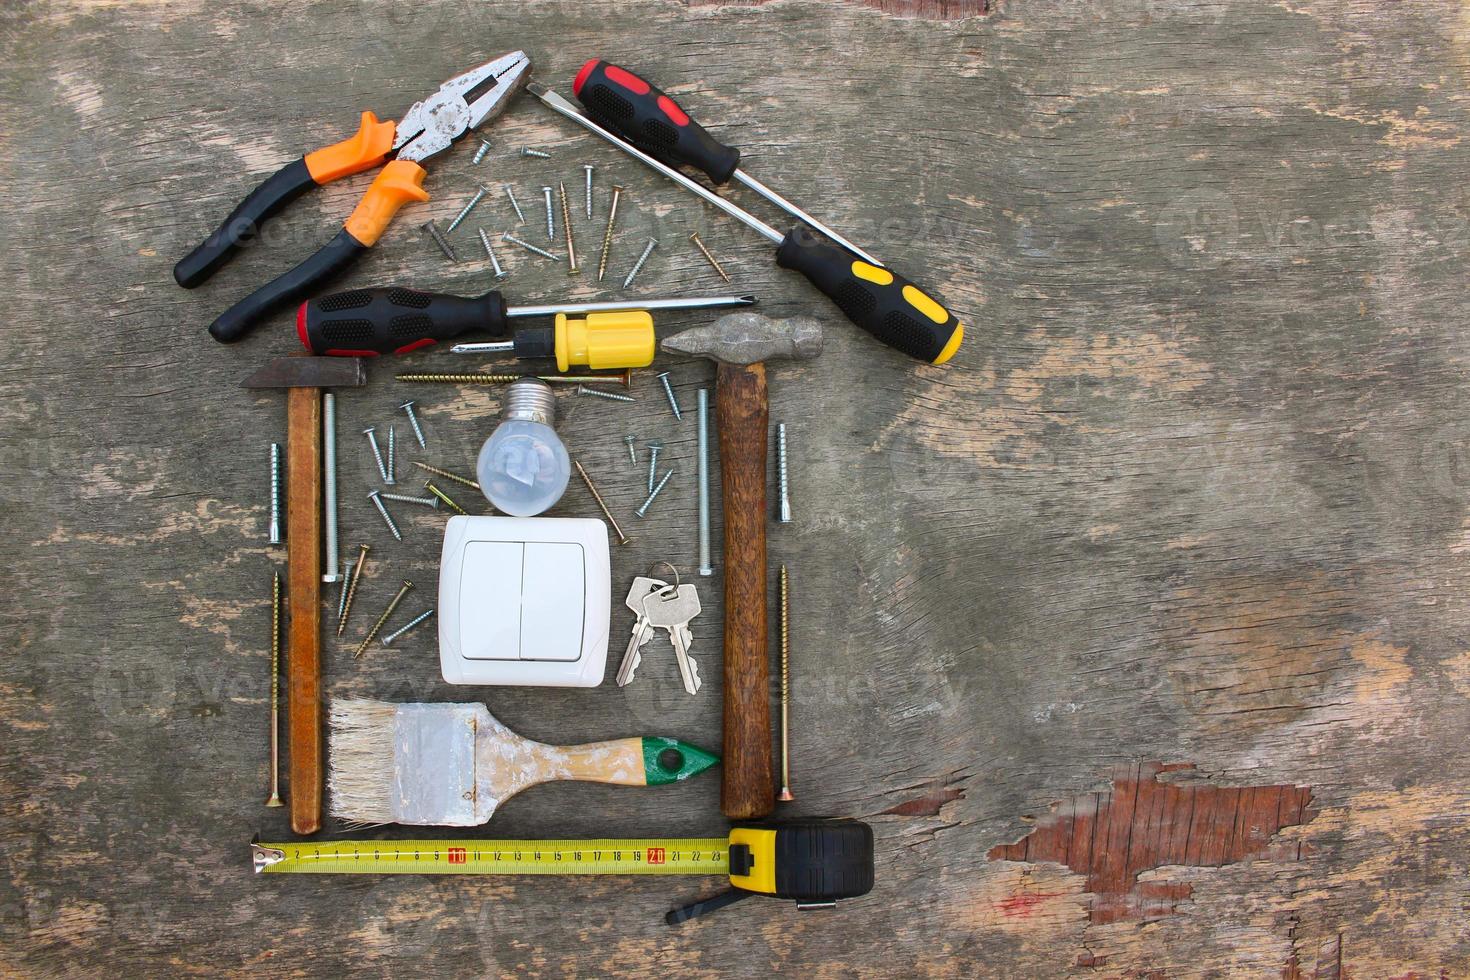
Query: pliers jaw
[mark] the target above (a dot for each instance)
(460, 105)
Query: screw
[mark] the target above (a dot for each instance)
(480, 153)
(623, 377)
(632, 451)
(673, 402)
(350, 589)
(653, 449)
(589, 168)
(479, 195)
(647, 251)
(342, 599)
(375, 496)
(275, 527)
(390, 479)
(781, 473)
(514, 203)
(377, 454)
(506, 237)
(275, 797)
(494, 262)
(609, 395)
(404, 498)
(387, 641)
(526, 151)
(786, 793)
(694, 237)
(643, 510)
(442, 242)
(383, 618)
(447, 500)
(550, 221)
(622, 538)
(702, 401)
(566, 226)
(612, 214)
(447, 475)
(333, 572)
(413, 421)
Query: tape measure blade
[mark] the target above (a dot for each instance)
(682, 856)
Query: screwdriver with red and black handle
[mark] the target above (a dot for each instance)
(637, 110)
(883, 303)
(395, 320)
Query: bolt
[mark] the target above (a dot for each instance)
(526, 151)
(702, 401)
(506, 237)
(694, 237)
(275, 797)
(442, 242)
(612, 214)
(514, 203)
(387, 641)
(786, 793)
(566, 225)
(480, 153)
(413, 421)
(589, 168)
(647, 251)
(383, 618)
(781, 473)
(653, 494)
(377, 454)
(550, 221)
(479, 195)
(390, 479)
(447, 475)
(494, 262)
(275, 527)
(350, 589)
(632, 450)
(669, 391)
(622, 538)
(653, 450)
(609, 395)
(447, 500)
(375, 497)
(404, 498)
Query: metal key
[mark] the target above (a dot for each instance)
(642, 628)
(672, 610)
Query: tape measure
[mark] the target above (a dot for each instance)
(812, 862)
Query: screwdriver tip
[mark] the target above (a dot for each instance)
(536, 88)
(747, 300)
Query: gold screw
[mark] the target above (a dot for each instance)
(694, 237)
(383, 618)
(566, 226)
(445, 498)
(447, 475)
(275, 799)
(622, 538)
(786, 793)
(362, 554)
(612, 214)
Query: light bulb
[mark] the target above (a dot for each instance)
(523, 467)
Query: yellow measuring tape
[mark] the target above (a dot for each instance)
(651, 856)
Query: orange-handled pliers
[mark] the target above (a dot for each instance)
(431, 126)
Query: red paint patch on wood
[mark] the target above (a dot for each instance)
(1143, 824)
(1022, 904)
(927, 805)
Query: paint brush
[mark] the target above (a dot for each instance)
(451, 765)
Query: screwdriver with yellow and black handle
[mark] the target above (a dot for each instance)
(883, 303)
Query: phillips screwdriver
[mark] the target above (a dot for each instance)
(659, 126)
(395, 320)
(883, 303)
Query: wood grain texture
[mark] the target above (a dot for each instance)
(304, 587)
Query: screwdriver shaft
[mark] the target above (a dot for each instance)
(691, 303)
(800, 215)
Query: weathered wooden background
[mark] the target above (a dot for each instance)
(1139, 633)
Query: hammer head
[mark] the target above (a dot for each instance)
(749, 338)
(309, 372)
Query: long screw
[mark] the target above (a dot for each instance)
(494, 262)
(589, 168)
(601, 504)
(514, 203)
(275, 797)
(653, 450)
(441, 241)
(447, 500)
(403, 591)
(550, 222)
(342, 599)
(623, 378)
(609, 395)
(275, 527)
(669, 391)
(404, 498)
(694, 237)
(465, 213)
(351, 588)
(566, 227)
(612, 215)
(413, 422)
(507, 237)
(389, 478)
(333, 572)
(371, 433)
(785, 793)
(480, 153)
(387, 641)
(632, 450)
(526, 151)
(647, 251)
(702, 401)
(785, 517)
(376, 497)
(447, 475)
(643, 510)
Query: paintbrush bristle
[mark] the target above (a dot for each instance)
(360, 773)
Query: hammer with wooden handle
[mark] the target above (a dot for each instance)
(739, 344)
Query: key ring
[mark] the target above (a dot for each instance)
(670, 568)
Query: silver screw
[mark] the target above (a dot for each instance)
(673, 402)
(333, 571)
(375, 496)
(404, 498)
(413, 421)
(526, 151)
(632, 451)
(781, 472)
(550, 221)
(566, 226)
(507, 237)
(653, 449)
(392, 456)
(442, 242)
(647, 251)
(275, 528)
(465, 213)
(702, 401)
(609, 395)
(589, 168)
(388, 640)
(514, 203)
(494, 262)
(653, 494)
(377, 453)
(480, 153)
(342, 600)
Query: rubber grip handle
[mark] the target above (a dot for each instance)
(883, 303)
(287, 288)
(393, 320)
(651, 120)
(259, 206)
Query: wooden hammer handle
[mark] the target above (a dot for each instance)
(304, 583)
(742, 415)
